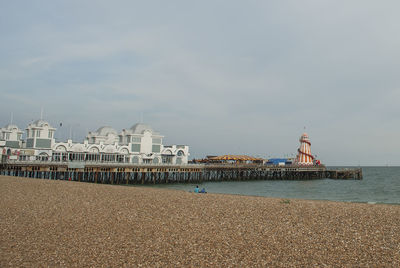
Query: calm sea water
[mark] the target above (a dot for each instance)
(379, 185)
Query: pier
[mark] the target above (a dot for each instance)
(125, 173)
(345, 174)
(137, 156)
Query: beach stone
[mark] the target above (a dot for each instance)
(73, 224)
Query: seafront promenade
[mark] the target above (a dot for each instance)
(70, 224)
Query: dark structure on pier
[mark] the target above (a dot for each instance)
(123, 173)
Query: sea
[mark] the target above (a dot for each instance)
(380, 185)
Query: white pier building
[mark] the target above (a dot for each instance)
(139, 144)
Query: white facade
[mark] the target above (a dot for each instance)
(10, 141)
(139, 144)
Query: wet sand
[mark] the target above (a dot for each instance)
(64, 223)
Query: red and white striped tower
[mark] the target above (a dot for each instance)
(304, 156)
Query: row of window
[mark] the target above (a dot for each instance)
(89, 157)
(6, 136)
(130, 139)
(37, 133)
(63, 157)
(154, 149)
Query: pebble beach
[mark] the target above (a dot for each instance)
(73, 224)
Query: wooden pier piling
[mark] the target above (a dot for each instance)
(121, 173)
(345, 174)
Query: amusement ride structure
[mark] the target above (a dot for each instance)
(304, 156)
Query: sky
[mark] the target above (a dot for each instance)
(224, 77)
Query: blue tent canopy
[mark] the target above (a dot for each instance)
(276, 161)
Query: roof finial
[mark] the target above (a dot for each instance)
(11, 120)
(70, 132)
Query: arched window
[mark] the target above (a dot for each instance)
(135, 160)
(61, 148)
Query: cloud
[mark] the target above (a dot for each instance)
(223, 77)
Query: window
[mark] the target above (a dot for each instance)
(50, 134)
(27, 133)
(156, 149)
(156, 140)
(136, 148)
(7, 136)
(37, 133)
(135, 160)
(136, 139)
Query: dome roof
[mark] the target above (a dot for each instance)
(40, 123)
(141, 128)
(104, 131)
(11, 127)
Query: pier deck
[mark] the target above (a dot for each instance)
(125, 173)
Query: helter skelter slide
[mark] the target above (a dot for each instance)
(304, 156)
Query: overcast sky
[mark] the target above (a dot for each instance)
(224, 77)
